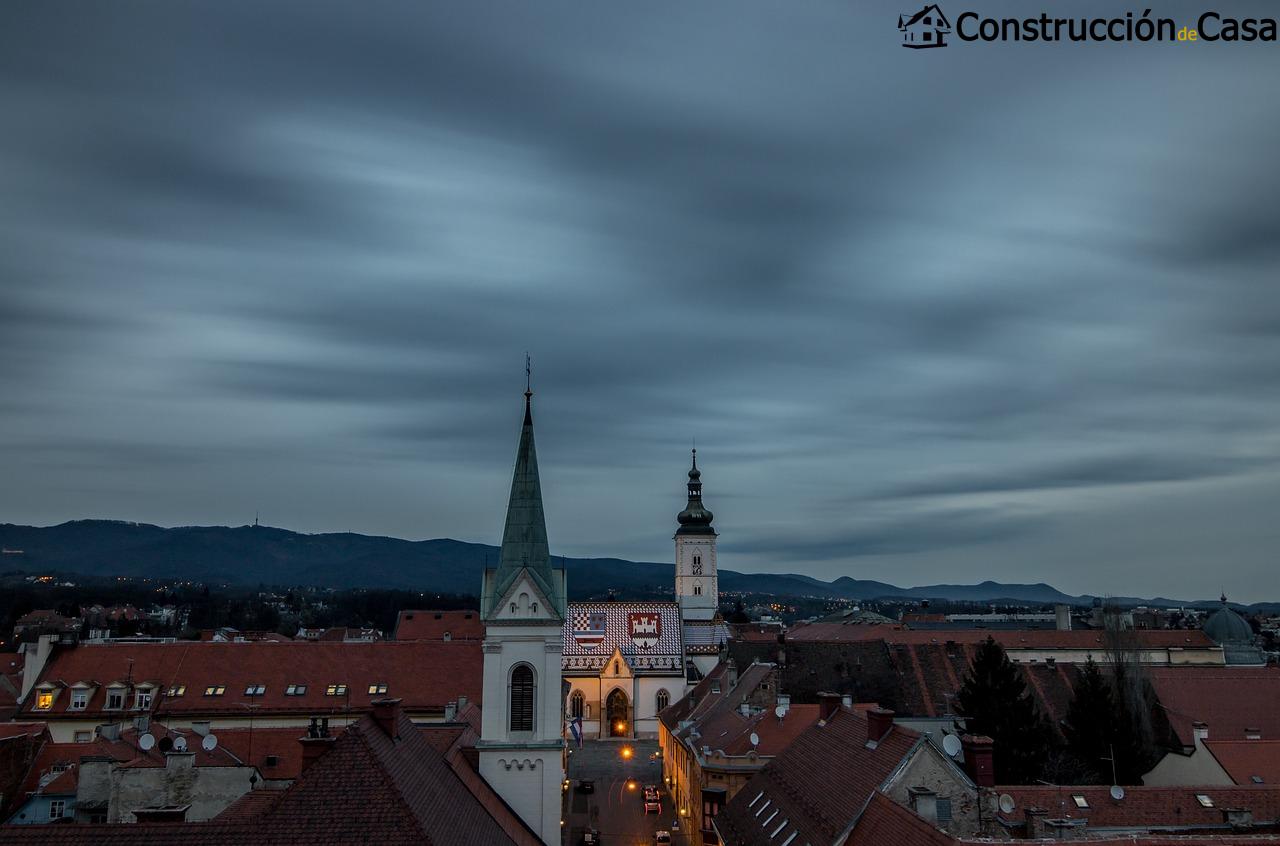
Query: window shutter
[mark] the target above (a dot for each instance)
(522, 699)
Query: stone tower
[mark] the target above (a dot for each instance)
(697, 585)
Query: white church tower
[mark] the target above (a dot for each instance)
(697, 586)
(523, 605)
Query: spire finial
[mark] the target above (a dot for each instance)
(528, 391)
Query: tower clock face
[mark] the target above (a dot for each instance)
(697, 566)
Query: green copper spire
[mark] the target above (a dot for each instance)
(524, 539)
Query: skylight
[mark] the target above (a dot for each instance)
(1205, 800)
(1080, 800)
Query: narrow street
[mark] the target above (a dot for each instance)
(616, 807)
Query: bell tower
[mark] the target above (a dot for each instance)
(697, 585)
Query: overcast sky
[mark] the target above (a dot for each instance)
(1005, 312)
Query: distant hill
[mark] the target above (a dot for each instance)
(251, 555)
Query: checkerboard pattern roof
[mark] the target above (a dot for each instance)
(666, 653)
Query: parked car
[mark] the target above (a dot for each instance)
(661, 837)
(586, 785)
(652, 806)
(650, 792)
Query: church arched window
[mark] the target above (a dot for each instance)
(663, 699)
(577, 704)
(522, 689)
(697, 590)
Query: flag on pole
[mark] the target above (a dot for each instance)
(575, 727)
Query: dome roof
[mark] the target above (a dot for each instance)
(696, 518)
(1226, 626)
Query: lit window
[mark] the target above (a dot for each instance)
(178, 690)
(142, 699)
(79, 700)
(255, 690)
(215, 690)
(295, 690)
(378, 687)
(57, 809)
(1205, 800)
(336, 690)
(115, 699)
(44, 700)
(1080, 800)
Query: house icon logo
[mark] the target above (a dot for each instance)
(926, 28)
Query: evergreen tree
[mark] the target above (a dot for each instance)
(994, 702)
(1090, 726)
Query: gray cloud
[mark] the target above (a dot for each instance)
(290, 257)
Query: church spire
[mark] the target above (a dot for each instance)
(695, 519)
(524, 538)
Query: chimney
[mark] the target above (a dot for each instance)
(978, 759)
(1062, 617)
(846, 701)
(179, 760)
(745, 709)
(1035, 822)
(316, 742)
(462, 704)
(1200, 731)
(386, 713)
(784, 702)
(828, 704)
(1066, 828)
(925, 803)
(879, 721)
(450, 712)
(731, 674)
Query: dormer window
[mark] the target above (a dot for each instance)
(79, 699)
(115, 698)
(142, 699)
(44, 700)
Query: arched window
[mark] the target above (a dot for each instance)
(577, 704)
(697, 590)
(522, 698)
(663, 699)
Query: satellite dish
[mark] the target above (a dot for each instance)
(180, 744)
(166, 743)
(1007, 804)
(1117, 792)
(209, 743)
(780, 711)
(147, 742)
(951, 745)
(755, 739)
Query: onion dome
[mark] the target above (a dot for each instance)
(695, 519)
(1226, 626)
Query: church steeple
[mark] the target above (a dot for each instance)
(695, 519)
(524, 538)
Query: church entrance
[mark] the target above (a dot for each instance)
(618, 713)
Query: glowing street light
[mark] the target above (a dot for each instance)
(627, 752)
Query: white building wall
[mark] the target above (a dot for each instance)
(695, 605)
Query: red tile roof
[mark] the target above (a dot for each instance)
(32, 729)
(276, 752)
(1228, 699)
(1145, 806)
(1246, 760)
(886, 822)
(425, 675)
(798, 784)
(434, 625)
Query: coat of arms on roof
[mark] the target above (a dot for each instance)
(645, 628)
(590, 632)
(926, 28)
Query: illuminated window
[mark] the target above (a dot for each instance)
(178, 690)
(215, 690)
(44, 700)
(378, 687)
(336, 690)
(295, 690)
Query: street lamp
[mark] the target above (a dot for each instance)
(627, 752)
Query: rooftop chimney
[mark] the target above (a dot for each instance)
(1062, 616)
(316, 742)
(784, 702)
(450, 712)
(879, 721)
(979, 759)
(386, 713)
(731, 674)
(1200, 731)
(462, 704)
(828, 704)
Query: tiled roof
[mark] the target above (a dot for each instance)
(1144, 806)
(276, 752)
(1074, 639)
(1248, 761)
(704, 638)
(421, 624)
(793, 793)
(251, 806)
(425, 675)
(370, 787)
(31, 729)
(647, 633)
(1228, 699)
(885, 822)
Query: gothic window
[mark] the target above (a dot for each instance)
(534, 608)
(513, 608)
(663, 699)
(522, 698)
(697, 590)
(577, 704)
